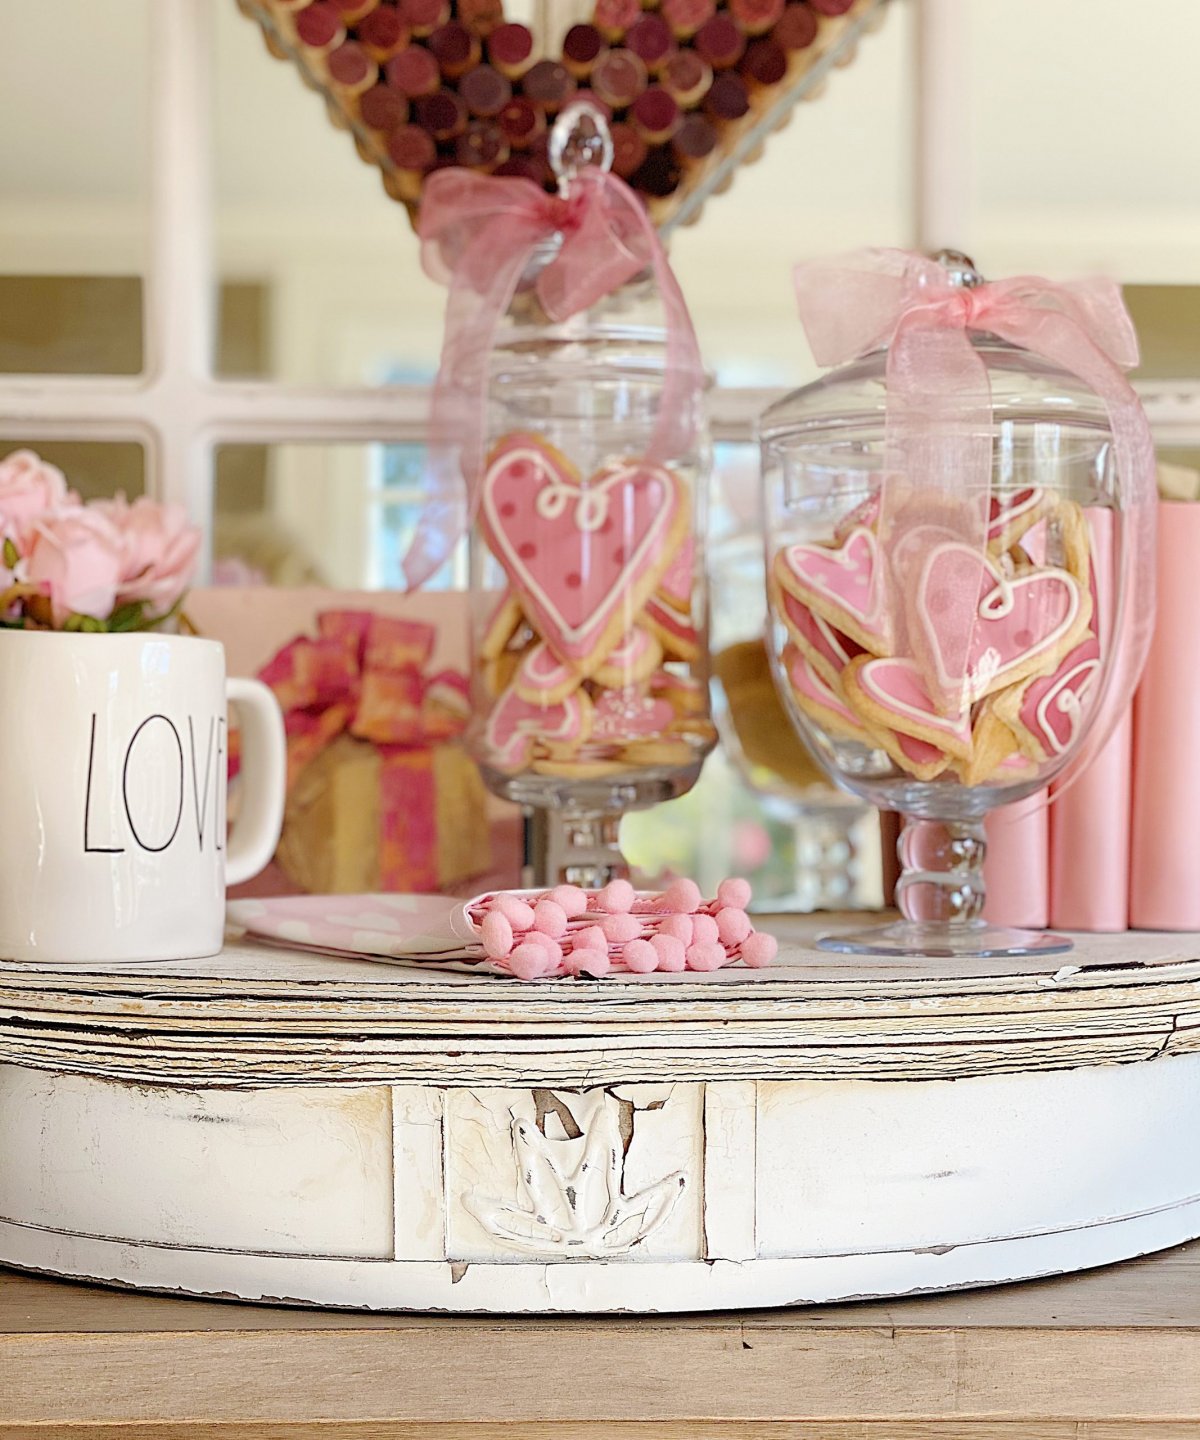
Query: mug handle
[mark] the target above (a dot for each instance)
(255, 833)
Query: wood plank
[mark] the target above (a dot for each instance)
(602, 1430)
(502, 1375)
(1114, 1355)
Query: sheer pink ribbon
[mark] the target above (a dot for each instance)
(937, 445)
(478, 234)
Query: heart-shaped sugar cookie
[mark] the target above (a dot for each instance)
(583, 557)
(844, 584)
(515, 724)
(1022, 622)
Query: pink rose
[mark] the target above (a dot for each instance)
(161, 547)
(29, 488)
(76, 557)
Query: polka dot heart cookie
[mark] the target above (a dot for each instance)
(584, 652)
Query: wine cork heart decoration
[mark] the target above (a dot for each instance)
(574, 653)
(425, 84)
(1018, 697)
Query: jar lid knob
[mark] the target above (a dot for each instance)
(960, 269)
(580, 138)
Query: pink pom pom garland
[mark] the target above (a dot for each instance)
(590, 934)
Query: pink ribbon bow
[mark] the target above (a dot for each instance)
(478, 235)
(938, 444)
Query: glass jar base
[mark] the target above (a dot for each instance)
(939, 940)
(581, 794)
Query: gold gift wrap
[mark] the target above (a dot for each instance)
(381, 794)
(338, 835)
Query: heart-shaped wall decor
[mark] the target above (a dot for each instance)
(692, 87)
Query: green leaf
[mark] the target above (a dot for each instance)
(127, 617)
(74, 623)
(11, 554)
(91, 626)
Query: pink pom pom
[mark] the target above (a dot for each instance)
(591, 937)
(617, 897)
(527, 961)
(547, 943)
(570, 899)
(759, 949)
(640, 957)
(682, 896)
(704, 930)
(671, 953)
(619, 928)
(703, 956)
(734, 893)
(733, 925)
(679, 927)
(589, 962)
(497, 935)
(550, 918)
(518, 914)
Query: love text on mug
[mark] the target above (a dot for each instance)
(160, 774)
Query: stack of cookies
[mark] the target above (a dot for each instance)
(878, 652)
(584, 657)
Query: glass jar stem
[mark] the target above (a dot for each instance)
(565, 848)
(941, 872)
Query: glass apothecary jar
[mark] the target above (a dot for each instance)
(589, 613)
(951, 614)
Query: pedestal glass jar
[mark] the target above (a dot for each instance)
(590, 631)
(944, 638)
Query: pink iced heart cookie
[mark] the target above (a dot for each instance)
(515, 724)
(828, 649)
(844, 585)
(865, 513)
(1012, 512)
(629, 715)
(1021, 622)
(544, 679)
(635, 659)
(675, 587)
(819, 700)
(1047, 713)
(676, 634)
(583, 556)
(890, 696)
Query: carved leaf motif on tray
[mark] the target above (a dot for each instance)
(571, 1199)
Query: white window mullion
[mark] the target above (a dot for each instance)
(180, 285)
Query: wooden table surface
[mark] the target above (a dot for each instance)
(1109, 1355)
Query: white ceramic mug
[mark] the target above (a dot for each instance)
(113, 766)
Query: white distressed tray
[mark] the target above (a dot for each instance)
(277, 1126)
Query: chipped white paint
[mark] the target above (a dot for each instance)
(810, 1133)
